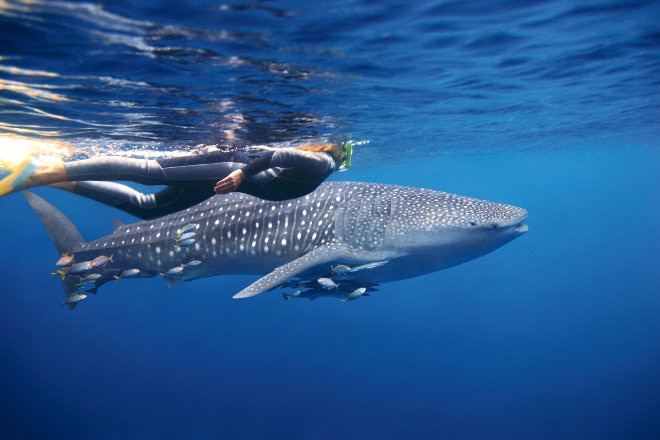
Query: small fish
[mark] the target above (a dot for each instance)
(129, 273)
(355, 294)
(193, 263)
(173, 271)
(100, 261)
(187, 236)
(187, 228)
(89, 278)
(185, 243)
(340, 269)
(64, 260)
(61, 272)
(74, 299)
(79, 268)
(327, 283)
(288, 296)
(369, 265)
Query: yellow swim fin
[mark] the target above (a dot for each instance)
(16, 180)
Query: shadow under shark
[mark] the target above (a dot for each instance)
(356, 234)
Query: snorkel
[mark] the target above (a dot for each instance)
(348, 148)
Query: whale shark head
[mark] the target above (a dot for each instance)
(449, 229)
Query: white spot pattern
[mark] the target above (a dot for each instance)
(229, 227)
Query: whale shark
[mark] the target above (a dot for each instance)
(356, 234)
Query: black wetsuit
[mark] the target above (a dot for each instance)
(273, 175)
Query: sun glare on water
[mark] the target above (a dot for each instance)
(14, 149)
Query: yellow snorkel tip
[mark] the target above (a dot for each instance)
(348, 148)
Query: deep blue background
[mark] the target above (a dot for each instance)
(549, 106)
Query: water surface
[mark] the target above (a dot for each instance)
(551, 106)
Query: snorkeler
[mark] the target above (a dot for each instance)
(275, 174)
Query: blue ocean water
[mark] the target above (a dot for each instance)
(552, 106)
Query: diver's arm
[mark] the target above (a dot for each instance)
(229, 183)
(234, 179)
(261, 163)
(320, 164)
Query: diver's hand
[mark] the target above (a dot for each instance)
(229, 183)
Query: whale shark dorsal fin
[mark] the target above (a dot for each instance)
(116, 223)
(320, 255)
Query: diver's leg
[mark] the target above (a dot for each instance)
(188, 172)
(47, 174)
(21, 177)
(112, 194)
(145, 171)
(30, 173)
(125, 198)
(184, 169)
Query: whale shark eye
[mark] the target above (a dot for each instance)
(473, 224)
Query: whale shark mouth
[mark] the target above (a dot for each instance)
(521, 228)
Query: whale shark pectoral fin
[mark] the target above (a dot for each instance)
(171, 282)
(320, 255)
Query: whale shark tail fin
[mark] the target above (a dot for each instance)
(62, 231)
(64, 234)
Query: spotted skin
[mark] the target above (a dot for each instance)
(413, 230)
